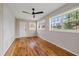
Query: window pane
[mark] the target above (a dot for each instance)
(70, 21)
(32, 26)
(41, 25)
(78, 20)
(57, 22)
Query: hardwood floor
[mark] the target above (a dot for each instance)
(35, 46)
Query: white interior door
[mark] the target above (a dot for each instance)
(22, 29)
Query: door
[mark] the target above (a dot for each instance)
(22, 29)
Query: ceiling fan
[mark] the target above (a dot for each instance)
(33, 13)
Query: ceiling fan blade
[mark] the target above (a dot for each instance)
(26, 12)
(39, 12)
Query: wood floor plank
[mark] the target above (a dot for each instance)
(35, 46)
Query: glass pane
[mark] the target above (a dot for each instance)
(70, 22)
(56, 22)
(78, 20)
(78, 14)
(65, 18)
(32, 26)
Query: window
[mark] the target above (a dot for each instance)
(32, 26)
(56, 23)
(66, 22)
(41, 25)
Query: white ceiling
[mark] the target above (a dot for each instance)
(17, 9)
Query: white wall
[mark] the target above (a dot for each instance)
(1, 18)
(68, 41)
(8, 28)
(22, 28)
